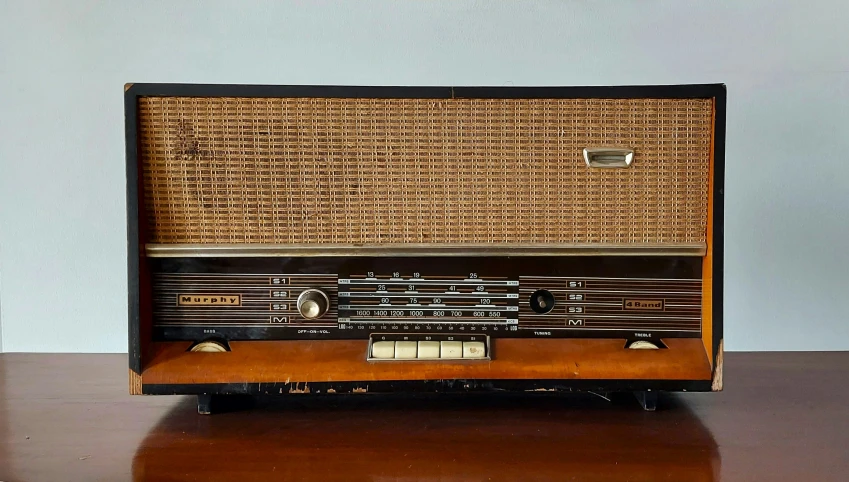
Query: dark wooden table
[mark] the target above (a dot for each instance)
(783, 416)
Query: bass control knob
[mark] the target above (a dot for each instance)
(210, 346)
(313, 303)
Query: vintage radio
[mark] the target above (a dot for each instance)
(327, 240)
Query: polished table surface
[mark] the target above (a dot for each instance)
(782, 416)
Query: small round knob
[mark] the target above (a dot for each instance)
(313, 303)
(643, 345)
(542, 301)
(209, 346)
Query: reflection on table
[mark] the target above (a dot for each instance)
(497, 436)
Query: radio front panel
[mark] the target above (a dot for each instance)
(502, 297)
(353, 239)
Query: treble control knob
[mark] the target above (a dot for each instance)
(313, 303)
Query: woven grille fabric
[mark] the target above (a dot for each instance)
(354, 171)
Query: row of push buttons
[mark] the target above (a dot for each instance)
(423, 350)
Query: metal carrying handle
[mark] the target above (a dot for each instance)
(608, 156)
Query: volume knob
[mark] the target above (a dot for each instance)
(313, 303)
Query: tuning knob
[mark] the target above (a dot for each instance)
(313, 303)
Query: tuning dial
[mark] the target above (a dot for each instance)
(313, 303)
(542, 301)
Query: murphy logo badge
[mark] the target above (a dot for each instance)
(208, 300)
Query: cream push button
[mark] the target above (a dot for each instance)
(406, 350)
(451, 349)
(474, 349)
(383, 349)
(428, 349)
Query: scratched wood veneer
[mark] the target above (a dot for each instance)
(344, 360)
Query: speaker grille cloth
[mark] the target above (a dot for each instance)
(316, 170)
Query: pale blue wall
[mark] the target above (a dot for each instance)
(62, 238)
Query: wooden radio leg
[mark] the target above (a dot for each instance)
(647, 399)
(211, 404)
(206, 402)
